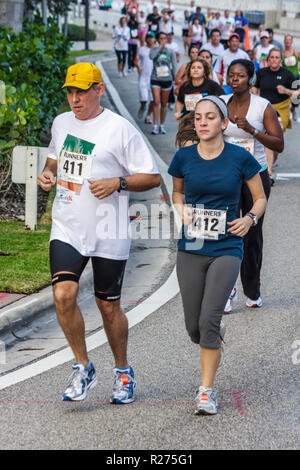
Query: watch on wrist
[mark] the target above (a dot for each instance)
(256, 131)
(123, 184)
(253, 217)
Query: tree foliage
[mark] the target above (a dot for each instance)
(55, 7)
(33, 66)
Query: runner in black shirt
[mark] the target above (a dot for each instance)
(153, 20)
(198, 84)
(269, 81)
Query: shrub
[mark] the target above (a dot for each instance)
(33, 66)
(77, 33)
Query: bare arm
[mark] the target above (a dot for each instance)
(180, 75)
(286, 91)
(179, 108)
(46, 179)
(273, 137)
(185, 212)
(241, 226)
(139, 182)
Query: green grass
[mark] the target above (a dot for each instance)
(73, 54)
(25, 269)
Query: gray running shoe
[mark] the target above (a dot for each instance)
(222, 330)
(124, 386)
(82, 380)
(141, 112)
(206, 402)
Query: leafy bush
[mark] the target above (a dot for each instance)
(33, 67)
(77, 33)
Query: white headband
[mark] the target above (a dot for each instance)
(218, 102)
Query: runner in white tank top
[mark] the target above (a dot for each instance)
(253, 124)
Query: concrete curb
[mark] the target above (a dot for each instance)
(26, 309)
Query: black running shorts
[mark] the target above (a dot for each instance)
(108, 273)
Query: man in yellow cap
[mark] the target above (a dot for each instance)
(97, 157)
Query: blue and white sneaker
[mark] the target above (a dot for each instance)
(123, 387)
(83, 379)
(206, 402)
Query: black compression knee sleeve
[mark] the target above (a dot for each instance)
(65, 277)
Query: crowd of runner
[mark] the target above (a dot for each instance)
(232, 105)
(238, 91)
(218, 39)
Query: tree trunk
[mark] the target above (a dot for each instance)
(66, 24)
(11, 14)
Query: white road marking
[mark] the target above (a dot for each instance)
(287, 175)
(136, 315)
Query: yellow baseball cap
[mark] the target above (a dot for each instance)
(82, 75)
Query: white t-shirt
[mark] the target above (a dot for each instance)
(197, 33)
(217, 53)
(262, 54)
(145, 62)
(215, 23)
(228, 25)
(173, 47)
(165, 26)
(229, 57)
(104, 147)
(149, 7)
(255, 117)
(121, 36)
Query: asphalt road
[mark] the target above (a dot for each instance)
(257, 387)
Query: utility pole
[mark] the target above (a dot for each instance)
(87, 14)
(279, 11)
(44, 11)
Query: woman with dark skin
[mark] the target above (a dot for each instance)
(253, 123)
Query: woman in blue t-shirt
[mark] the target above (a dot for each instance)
(208, 176)
(240, 25)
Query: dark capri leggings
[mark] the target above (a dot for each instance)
(205, 284)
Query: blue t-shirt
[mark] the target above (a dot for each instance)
(215, 184)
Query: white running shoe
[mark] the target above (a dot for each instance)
(162, 129)
(120, 74)
(124, 73)
(82, 380)
(206, 402)
(232, 298)
(155, 130)
(124, 386)
(254, 303)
